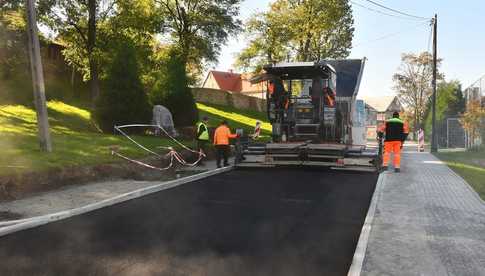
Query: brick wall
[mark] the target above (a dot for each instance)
(226, 98)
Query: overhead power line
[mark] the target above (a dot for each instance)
(396, 11)
(381, 12)
(430, 37)
(390, 35)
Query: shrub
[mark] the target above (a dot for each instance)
(171, 90)
(122, 100)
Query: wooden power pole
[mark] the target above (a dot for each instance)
(434, 142)
(38, 79)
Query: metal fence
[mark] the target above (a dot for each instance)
(451, 134)
(476, 92)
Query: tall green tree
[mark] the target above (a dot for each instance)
(14, 62)
(300, 31)
(77, 22)
(171, 88)
(269, 38)
(413, 84)
(450, 102)
(136, 21)
(91, 28)
(199, 27)
(12, 43)
(123, 100)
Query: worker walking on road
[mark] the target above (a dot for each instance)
(394, 131)
(221, 143)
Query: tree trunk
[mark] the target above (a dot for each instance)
(93, 66)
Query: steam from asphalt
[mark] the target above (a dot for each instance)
(239, 223)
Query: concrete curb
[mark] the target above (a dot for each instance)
(359, 255)
(41, 220)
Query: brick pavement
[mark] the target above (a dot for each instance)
(428, 221)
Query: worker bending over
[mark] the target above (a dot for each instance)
(395, 132)
(221, 143)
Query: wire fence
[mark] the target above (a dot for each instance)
(450, 133)
(475, 93)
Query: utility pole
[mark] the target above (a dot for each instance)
(434, 144)
(38, 79)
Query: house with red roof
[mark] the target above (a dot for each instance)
(234, 83)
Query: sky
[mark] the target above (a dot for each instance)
(382, 39)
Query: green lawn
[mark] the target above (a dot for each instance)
(76, 141)
(470, 165)
(236, 118)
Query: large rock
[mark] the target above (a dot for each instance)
(163, 117)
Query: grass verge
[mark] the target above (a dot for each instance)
(468, 164)
(75, 140)
(235, 117)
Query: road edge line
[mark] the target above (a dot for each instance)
(45, 219)
(359, 254)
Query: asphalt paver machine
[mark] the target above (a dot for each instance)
(312, 109)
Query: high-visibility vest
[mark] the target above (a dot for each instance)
(205, 134)
(222, 135)
(395, 129)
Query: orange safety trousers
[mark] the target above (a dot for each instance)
(395, 147)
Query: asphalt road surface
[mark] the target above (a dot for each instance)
(244, 222)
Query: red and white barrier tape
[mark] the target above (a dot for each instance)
(144, 164)
(172, 153)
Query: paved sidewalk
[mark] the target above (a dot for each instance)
(428, 221)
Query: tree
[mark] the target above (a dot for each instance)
(472, 119)
(91, 28)
(199, 27)
(13, 50)
(136, 21)
(269, 40)
(413, 84)
(449, 102)
(77, 21)
(171, 89)
(299, 30)
(123, 100)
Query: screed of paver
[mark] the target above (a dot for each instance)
(428, 221)
(246, 222)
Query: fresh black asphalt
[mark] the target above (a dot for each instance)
(244, 222)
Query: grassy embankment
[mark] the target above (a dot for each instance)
(77, 142)
(75, 139)
(470, 165)
(245, 119)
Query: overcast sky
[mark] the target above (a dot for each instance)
(382, 39)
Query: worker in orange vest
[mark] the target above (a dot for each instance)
(221, 143)
(394, 131)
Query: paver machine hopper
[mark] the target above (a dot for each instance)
(312, 109)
